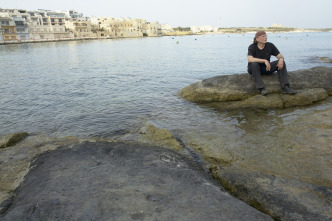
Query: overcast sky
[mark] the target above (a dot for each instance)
(220, 13)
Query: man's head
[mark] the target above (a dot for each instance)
(260, 37)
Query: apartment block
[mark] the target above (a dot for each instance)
(80, 28)
(119, 27)
(41, 24)
(58, 24)
(8, 28)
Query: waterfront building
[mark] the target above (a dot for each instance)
(119, 27)
(207, 28)
(40, 25)
(74, 15)
(58, 24)
(276, 26)
(152, 29)
(166, 28)
(8, 28)
(20, 17)
(22, 28)
(80, 28)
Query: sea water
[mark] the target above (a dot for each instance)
(105, 88)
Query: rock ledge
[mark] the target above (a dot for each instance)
(238, 90)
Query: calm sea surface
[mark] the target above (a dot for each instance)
(106, 88)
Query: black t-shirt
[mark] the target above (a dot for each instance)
(265, 53)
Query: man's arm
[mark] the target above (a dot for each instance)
(280, 58)
(258, 60)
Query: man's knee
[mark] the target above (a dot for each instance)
(253, 67)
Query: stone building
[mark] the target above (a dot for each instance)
(206, 28)
(40, 25)
(120, 27)
(58, 24)
(80, 28)
(20, 17)
(166, 29)
(152, 29)
(8, 28)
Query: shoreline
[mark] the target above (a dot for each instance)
(46, 40)
(224, 31)
(20, 151)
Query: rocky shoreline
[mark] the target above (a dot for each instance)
(280, 195)
(279, 164)
(238, 90)
(83, 179)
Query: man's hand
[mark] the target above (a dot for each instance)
(268, 65)
(280, 64)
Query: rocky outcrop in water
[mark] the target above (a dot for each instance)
(238, 90)
(153, 135)
(9, 140)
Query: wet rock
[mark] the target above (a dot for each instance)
(303, 97)
(12, 139)
(282, 198)
(279, 163)
(241, 88)
(122, 181)
(158, 136)
(257, 101)
(15, 160)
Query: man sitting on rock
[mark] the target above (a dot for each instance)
(259, 54)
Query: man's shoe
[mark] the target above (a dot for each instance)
(288, 90)
(264, 91)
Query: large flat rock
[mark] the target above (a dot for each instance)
(122, 181)
(313, 84)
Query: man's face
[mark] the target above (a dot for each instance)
(262, 39)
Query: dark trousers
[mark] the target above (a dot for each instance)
(257, 71)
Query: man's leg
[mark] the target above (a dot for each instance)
(255, 70)
(283, 78)
(282, 74)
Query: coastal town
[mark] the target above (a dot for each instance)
(20, 25)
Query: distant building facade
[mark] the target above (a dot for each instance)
(152, 29)
(126, 27)
(8, 28)
(198, 29)
(276, 26)
(80, 29)
(42, 24)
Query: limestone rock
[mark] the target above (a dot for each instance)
(280, 197)
(257, 101)
(241, 87)
(304, 97)
(122, 181)
(16, 158)
(158, 136)
(12, 139)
